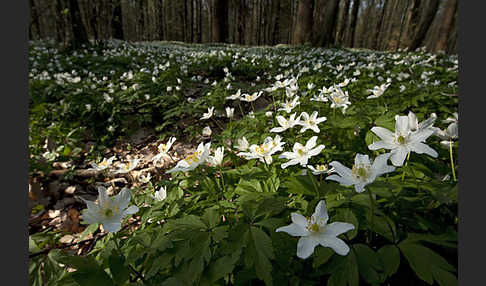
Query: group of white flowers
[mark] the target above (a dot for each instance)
(409, 136)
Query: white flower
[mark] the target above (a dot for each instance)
(163, 148)
(88, 107)
(268, 114)
(192, 161)
(127, 167)
(169, 88)
(344, 83)
(144, 178)
(264, 152)
(243, 144)
(289, 105)
(414, 125)
(111, 128)
(310, 122)
(251, 97)
(106, 163)
(109, 211)
(451, 133)
(301, 154)
(320, 169)
(161, 194)
(108, 98)
(217, 159)
(284, 123)
(403, 141)
(209, 114)
(455, 118)
(310, 86)
(339, 98)
(315, 230)
(378, 91)
(363, 171)
(230, 111)
(207, 131)
(237, 95)
(402, 88)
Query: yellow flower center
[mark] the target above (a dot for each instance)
(261, 149)
(162, 148)
(107, 210)
(321, 167)
(301, 152)
(193, 158)
(401, 139)
(338, 100)
(314, 227)
(360, 172)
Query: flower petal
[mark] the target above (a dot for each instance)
(342, 170)
(339, 246)
(130, 210)
(398, 156)
(345, 181)
(380, 167)
(320, 212)
(401, 124)
(122, 199)
(383, 133)
(337, 228)
(293, 230)
(421, 148)
(305, 247)
(112, 226)
(311, 143)
(299, 219)
(381, 145)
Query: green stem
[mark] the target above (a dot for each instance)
(452, 161)
(135, 272)
(313, 183)
(222, 181)
(403, 174)
(241, 110)
(372, 213)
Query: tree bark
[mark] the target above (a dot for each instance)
(303, 26)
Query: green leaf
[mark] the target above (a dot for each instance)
(299, 185)
(33, 248)
(118, 270)
(221, 267)
(271, 223)
(261, 250)
(190, 221)
(344, 270)
(369, 263)
(211, 216)
(390, 255)
(448, 239)
(384, 226)
(89, 272)
(321, 256)
(89, 230)
(427, 264)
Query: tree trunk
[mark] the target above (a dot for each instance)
(303, 25)
(80, 35)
